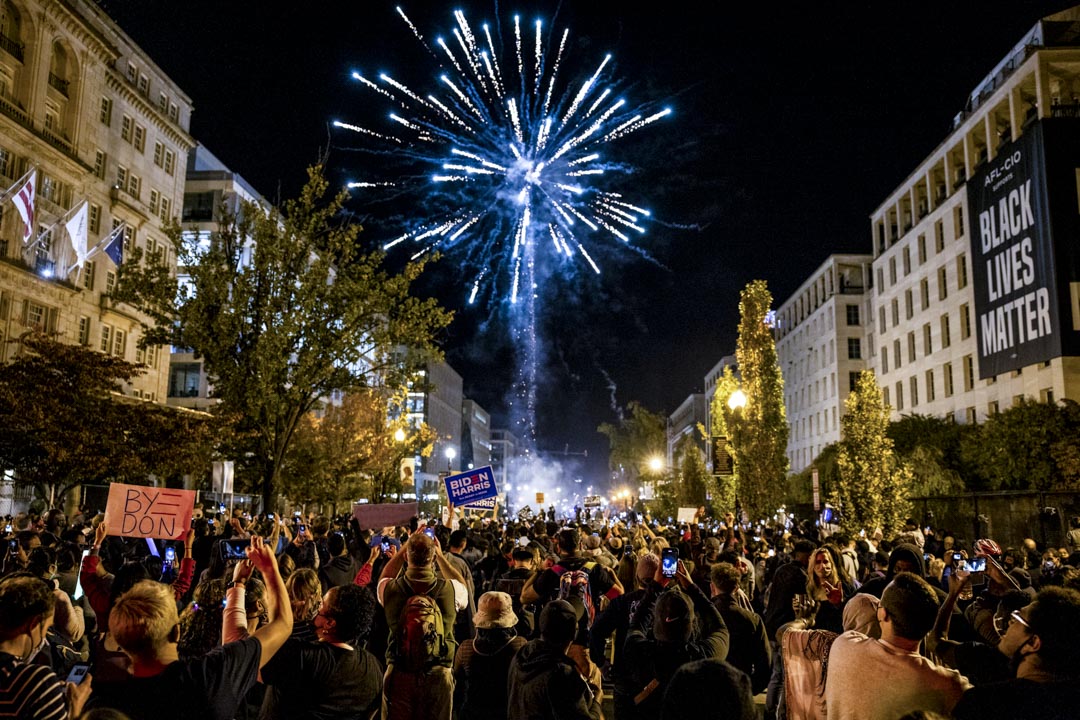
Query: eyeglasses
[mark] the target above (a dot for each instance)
(1015, 616)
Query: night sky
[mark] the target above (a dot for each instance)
(792, 122)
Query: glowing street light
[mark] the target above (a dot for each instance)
(399, 435)
(450, 453)
(656, 463)
(737, 401)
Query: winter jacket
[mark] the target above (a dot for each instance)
(544, 684)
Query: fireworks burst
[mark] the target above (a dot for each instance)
(505, 157)
(514, 155)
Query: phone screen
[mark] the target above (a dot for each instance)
(234, 549)
(170, 554)
(78, 579)
(430, 532)
(302, 529)
(975, 565)
(269, 516)
(78, 673)
(669, 562)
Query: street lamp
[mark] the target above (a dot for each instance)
(399, 435)
(737, 401)
(656, 463)
(450, 453)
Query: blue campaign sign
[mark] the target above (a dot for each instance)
(468, 487)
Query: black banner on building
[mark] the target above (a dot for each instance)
(1023, 206)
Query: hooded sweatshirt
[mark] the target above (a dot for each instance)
(904, 551)
(544, 684)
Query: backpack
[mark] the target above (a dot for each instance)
(575, 584)
(421, 634)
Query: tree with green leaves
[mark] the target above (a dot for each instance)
(639, 436)
(1030, 446)
(285, 307)
(693, 478)
(759, 429)
(873, 487)
(349, 451)
(64, 422)
(725, 424)
(930, 447)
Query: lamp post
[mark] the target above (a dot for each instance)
(399, 438)
(450, 453)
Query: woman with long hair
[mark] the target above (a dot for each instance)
(305, 592)
(200, 622)
(829, 587)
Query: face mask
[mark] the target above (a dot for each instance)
(40, 646)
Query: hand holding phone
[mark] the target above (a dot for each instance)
(79, 672)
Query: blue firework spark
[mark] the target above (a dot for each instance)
(509, 148)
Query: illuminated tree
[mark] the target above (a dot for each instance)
(873, 487)
(725, 424)
(759, 429)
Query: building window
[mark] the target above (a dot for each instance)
(170, 161)
(911, 347)
(922, 249)
(896, 355)
(961, 272)
(852, 314)
(880, 278)
(163, 102)
(1046, 395)
(119, 343)
(134, 186)
(942, 283)
(913, 391)
(892, 271)
(110, 282)
(106, 338)
(970, 415)
(945, 339)
(144, 85)
(992, 408)
(174, 112)
(84, 330)
(159, 154)
(99, 164)
(155, 201)
(927, 340)
(899, 396)
(958, 222)
(909, 305)
(924, 293)
(946, 374)
(94, 221)
(907, 261)
(166, 210)
(885, 396)
(853, 381)
(854, 349)
(969, 372)
(884, 360)
(939, 236)
(140, 138)
(965, 321)
(88, 278)
(121, 177)
(105, 113)
(895, 312)
(881, 319)
(929, 382)
(132, 72)
(127, 127)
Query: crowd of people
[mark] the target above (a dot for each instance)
(476, 618)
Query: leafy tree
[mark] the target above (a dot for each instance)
(63, 423)
(285, 307)
(930, 447)
(801, 484)
(760, 428)
(873, 486)
(1030, 446)
(639, 436)
(350, 451)
(724, 424)
(693, 476)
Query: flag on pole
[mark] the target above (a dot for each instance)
(24, 203)
(76, 228)
(115, 248)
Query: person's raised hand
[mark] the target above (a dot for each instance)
(77, 695)
(242, 571)
(100, 533)
(262, 556)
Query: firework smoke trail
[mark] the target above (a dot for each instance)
(505, 155)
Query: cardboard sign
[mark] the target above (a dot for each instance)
(468, 487)
(149, 512)
(539, 498)
(383, 515)
(485, 504)
(687, 515)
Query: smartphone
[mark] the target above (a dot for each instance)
(234, 549)
(210, 521)
(269, 516)
(7, 528)
(926, 557)
(301, 529)
(975, 565)
(78, 578)
(13, 545)
(430, 532)
(957, 557)
(386, 547)
(170, 555)
(669, 562)
(78, 673)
